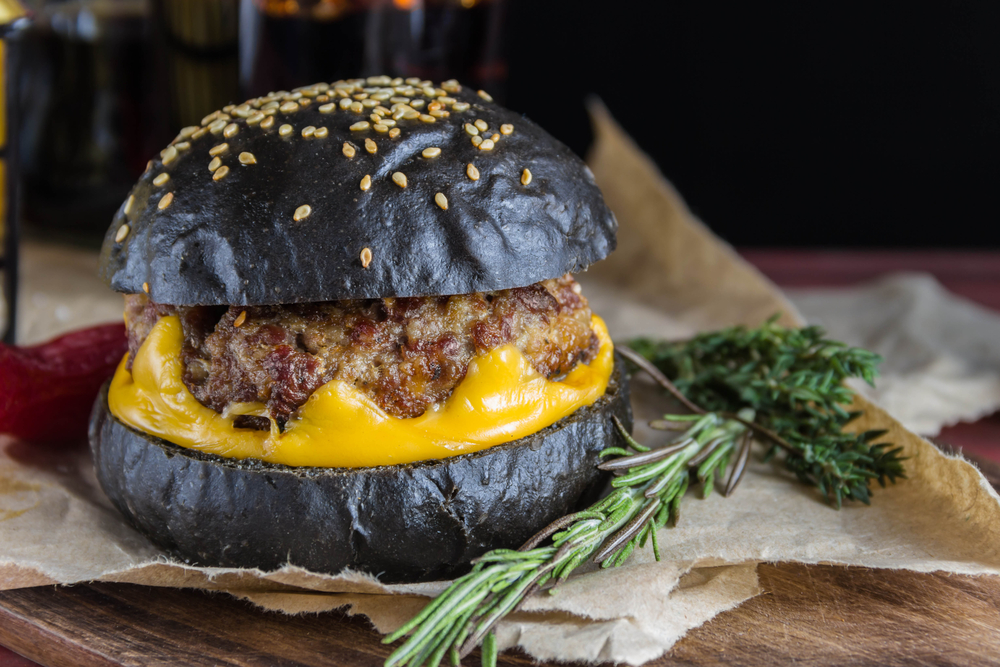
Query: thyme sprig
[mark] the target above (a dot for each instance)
(794, 379)
(645, 497)
(785, 386)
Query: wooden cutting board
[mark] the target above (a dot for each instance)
(808, 615)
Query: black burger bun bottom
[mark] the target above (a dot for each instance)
(415, 522)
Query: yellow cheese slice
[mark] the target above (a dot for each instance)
(502, 398)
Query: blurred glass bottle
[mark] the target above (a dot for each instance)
(107, 84)
(13, 22)
(289, 43)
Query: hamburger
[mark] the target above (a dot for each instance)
(355, 340)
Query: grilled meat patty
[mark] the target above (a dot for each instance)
(407, 354)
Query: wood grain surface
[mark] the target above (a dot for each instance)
(808, 615)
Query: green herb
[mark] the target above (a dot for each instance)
(784, 385)
(643, 500)
(794, 379)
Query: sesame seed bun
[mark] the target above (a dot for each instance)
(303, 197)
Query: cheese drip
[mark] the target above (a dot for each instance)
(502, 398)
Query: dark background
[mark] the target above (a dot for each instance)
(786, 124)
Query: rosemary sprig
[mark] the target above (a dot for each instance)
(783, 385)
(794, 379)
(645, 497)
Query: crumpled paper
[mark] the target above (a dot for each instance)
(942, 352)
(669, 278)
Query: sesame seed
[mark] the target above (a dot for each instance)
(411, 114)
(255, 118)
(428, 91)
(321, 132)
(269, 112)
(433, 106)
(370, 146)
(219, 149)
(328, 108)
(439, 113)
(476, 141)
(267, 123)
(399, 178)
(427, 118)
(446, 100)
(217, 126)
(525, 177)
(220, 173)
(199, 134)
(308, 131)
(481, 124)
(121, 233)
(182, 145)
(366, 257)
(486, 145)
(302, 212)
(209, 118)
(270, 105)
(215, 163)
(417, 104)
(168, 154)
(361, 96)
(288, 107)
(165, 201)
(345, 103)
(472, 172)
(460, 106)
(247, 158)
(285, 130)
(361, 125)
(381, 110)
(399, 100)
(380, 127)
(293, 96)
(357, 107)
(230, 130)
(441, 201)
(486, 96)
(413, 81)
(388, 122)
(229, 108)
(348, 150)
(145, 288)
(452, 86)
(368, 104)
(161, 179)
(242, 110)
(240, 319)
(471, 129)
(186, 132)
(393, 133)
(375, 118)
(506, 128)
(495, 138)
(432, 151)
(366, 183)
(305, 101)
(128, 204)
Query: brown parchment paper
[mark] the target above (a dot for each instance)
(670, 277)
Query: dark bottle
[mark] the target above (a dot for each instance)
(106, 85)
(289, 43)
(13, 22)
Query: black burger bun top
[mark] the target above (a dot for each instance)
(303, 197)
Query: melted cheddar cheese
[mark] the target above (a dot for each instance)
(502, 398)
